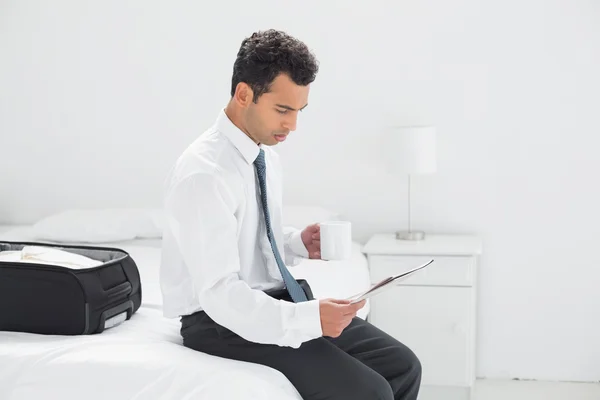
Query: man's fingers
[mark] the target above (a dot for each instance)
(352, 308)
(348, 317)
(340, 301)
(349, 310)
(359, 305)
(346, 303)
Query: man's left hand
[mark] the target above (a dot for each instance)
(311, 237)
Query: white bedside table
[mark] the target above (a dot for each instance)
(434, 311)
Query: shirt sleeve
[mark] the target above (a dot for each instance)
(294, 248)
(201, 214)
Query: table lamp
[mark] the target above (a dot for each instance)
(412, 151)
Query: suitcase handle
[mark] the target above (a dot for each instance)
(120, 290)
(126, 307)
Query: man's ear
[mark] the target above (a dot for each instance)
(243, 94)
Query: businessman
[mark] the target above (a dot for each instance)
(226, 254)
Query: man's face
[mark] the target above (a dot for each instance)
(274, 116)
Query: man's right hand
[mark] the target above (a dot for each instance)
(336, 315)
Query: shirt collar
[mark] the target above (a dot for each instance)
(240, 140)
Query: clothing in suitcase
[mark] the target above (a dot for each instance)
(37, 297)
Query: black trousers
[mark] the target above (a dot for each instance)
(363, 363)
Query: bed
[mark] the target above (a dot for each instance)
(144, 358)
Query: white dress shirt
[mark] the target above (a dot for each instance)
(216, 255)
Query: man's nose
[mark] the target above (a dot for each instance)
(290, 122)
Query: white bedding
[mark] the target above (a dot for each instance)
(143, 358)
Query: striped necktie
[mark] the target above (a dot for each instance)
(293, 288)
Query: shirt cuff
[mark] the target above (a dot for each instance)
(309, 313)
(297, 245)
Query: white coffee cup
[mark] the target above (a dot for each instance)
(336, 240)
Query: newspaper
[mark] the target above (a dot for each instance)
(385, 284)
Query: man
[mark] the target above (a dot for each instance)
(225, 251)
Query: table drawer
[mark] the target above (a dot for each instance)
(444, 271)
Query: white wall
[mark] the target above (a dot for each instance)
(98, 98)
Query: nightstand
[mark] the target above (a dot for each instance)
(433, 312)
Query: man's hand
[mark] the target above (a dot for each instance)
(336, 315)
(311, 237)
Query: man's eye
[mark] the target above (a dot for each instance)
(281, 111)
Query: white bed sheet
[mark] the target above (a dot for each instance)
(144, 358)
(140, 359)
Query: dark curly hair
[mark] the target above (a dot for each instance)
(265, 55)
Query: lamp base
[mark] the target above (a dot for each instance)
(412, 235)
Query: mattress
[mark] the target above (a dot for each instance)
(144, 358)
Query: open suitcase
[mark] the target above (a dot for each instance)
(50, 299)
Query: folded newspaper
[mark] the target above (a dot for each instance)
(385, 284)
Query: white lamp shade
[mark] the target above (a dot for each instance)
(412, 150)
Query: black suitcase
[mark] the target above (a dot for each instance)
(49, 299)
